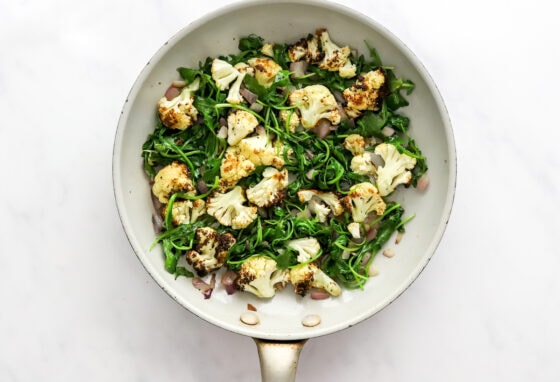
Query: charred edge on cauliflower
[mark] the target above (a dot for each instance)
(210, 252)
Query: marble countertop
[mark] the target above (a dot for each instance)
(76, 304)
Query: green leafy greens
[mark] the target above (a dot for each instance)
(313, 164)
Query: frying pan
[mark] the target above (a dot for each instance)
(280, 334)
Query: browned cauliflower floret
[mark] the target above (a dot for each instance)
(366, 93)
(179, 112)
(320, 203)
(234, 167)
(335, 58)
(307, 276)
(361, 200)
(210, 251)
(240, 124)
(265, 70)
(269, 191)
(306, 49)
(186, 211)
(261, 150)
(260, 276)
(171, 179)
(355, 143)
(315, 102)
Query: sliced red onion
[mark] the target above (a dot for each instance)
(423, 182)
(201, 186)
(228, 279)
(222, 121)
(319, 295)
(205, 288)
(298, 69)
(339, 97)
(371, 234)
(249, 96)
(323, 128)
(171, 93)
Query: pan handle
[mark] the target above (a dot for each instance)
(279, 359)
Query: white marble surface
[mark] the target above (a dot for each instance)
(76, 305)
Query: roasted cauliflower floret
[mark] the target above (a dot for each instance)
(262, 151)
(265, 70)
(320, 203)
(268, 49)
(223, 73)
(306, 49)
(210, 251)
(366, 93)
(363, 164)
(234, 94)
(234, 167)
(307, 276)
(362, 199)
(240, 124)
(269, 191)
(336, 59)
(171, 179)
(306, 247)
(259, 275)
(315, 102)
(294, 121)
(355, 143)
(395, 170)
(187, 211)
(179, 113)
(229, 210)
(355, 230)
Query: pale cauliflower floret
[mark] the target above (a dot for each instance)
(307, 276)
(395, 170)
(261, 151)
(223, 73)
(306, 49)
(268, 191)
(362, 199)
(366, 93)
(294, 121)
(260, 276)
(315, 102)
(355, 143)
(321, 204)
(179, 112)
(234, 95)
(234, 167)
(354, 229)
(229, 210)
(265, 70)
(187, 211)
(240, 124)
(336, 58)
(363, 164)
(306, 247)
(319, 210)
(171, 179)
(210, 251)
(268, 49)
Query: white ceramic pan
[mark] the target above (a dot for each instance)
(280, 332)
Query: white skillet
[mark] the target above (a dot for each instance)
(280, 333)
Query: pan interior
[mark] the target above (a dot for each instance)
(217, 34)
